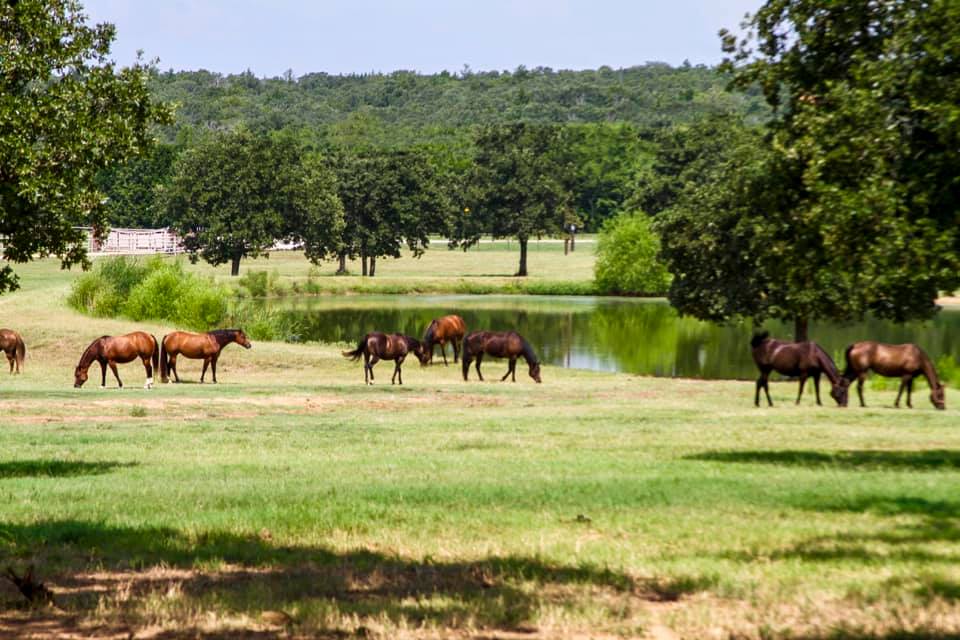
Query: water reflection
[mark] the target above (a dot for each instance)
(635, 336)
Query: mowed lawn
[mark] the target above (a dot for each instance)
(292, 501)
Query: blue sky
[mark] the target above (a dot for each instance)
(344, 36)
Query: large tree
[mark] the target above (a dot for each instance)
(520, 185)
(236, 194)
(852, 205)
(66, 112)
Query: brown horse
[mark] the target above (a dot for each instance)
(801, 359)
(504, 344)
(442, 330)
(377, 346)
(109, 350)
(904, 361)
(197, 345)
(12, 344)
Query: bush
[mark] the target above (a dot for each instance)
(627, 261)
(262, 323)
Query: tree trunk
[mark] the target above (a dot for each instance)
(373, 266)
(363, 263)
(523, 257)
(573, 242)
(800, 326)
(342, 267)
(235, 264)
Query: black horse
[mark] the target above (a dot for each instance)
(795, 359)
(378, 346)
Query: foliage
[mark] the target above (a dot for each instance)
(861, 167)
(520, 185)
(261, 322)
(627, 257)
(66, 112)
(132, 188)
(235, 194)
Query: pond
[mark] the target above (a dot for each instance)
(604, 334)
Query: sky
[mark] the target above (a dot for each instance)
(361, 36)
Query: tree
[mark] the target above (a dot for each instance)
(520, 185)
(390, 198)
(850, 205)
(627, 257)
(131, 188)
(234, 195)
(66, 112)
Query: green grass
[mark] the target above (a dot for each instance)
(291, 499)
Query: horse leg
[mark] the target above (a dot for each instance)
(11, 359)
(148, 384)
(803, 381)
(397, 373)
(373, 360)
(766, 387)
(113, 367)
(513, 369)
(860, 380)
(909, 391)
(443, 351)
(816, 388)
(206, 363)
(103, 374)
(479, 358)
(456, 351)
(213, 367)
(756, 395)
(903, 383)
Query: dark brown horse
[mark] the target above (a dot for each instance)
(795, 359)
(504, 344)
(109, 350)
(197, 345)
(904, 361)
(377, 346)
(12, 344)
(443, 330)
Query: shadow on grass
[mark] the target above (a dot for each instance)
(249, 574)
(57, 468)
(930, 460)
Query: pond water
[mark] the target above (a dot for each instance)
(605, 334)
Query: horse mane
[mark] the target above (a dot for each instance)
(428, 335)
(528, 353)
(411, 342)
(223, 332)
(87, 357)
(758, 338)
(827, 363)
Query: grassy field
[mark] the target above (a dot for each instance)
(292, 501)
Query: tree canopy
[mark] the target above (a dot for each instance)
(66, 112)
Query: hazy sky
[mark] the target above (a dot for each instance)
(346, 36)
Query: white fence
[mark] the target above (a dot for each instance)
(135, 241)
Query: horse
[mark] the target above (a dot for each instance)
(12, 344)
(377, 346)
(801, 359)
(109, 350)
(904, 361)
(197, 345)
(505, 344)
(442, 330)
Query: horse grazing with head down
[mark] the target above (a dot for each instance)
(904, 361)
(109, 350)
(504, 344)
(12, 344)
(795, 359)
(442, 330)
(377, 346)
(197, 345)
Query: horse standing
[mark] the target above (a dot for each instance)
(800, 359)
(505, 344)
(197, 345)
(377, 346)
(109, 350)
(442, 330)
(12, 344)
(904, 361)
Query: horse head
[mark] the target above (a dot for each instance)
(79, 377)
(535, 371)
(840, 391)
(241, 338)
(938, 396)
(419, 349)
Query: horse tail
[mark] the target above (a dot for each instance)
(465, 359)
(21, 353)
(848, 371)
(156, 353)
(758, 338)
(164, 362)
(356, 353)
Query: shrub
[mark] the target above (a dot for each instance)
(627, 261)
(262, 323)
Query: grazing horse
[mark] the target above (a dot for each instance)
(197, 345)
(377, 346)
(505, 344)
(442, 330)
(109, 350)
(904, 361)
(12, 344)
(801, 359)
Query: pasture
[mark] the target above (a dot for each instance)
(291, 500)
